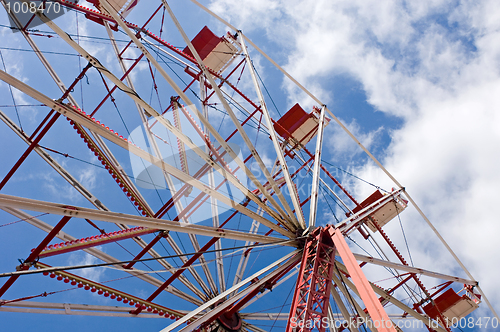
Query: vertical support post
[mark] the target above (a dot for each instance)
(310, 302)
(317, 162)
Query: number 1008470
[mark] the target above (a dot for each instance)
(44, 7)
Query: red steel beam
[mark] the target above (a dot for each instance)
(34, 254)
(150, 245)
(42, 133)
(377, 313)
(92, 241)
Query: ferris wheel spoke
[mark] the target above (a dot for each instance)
(112, 217)
(71, 309)
(406, 309)
(190, 268)
(227, 108)
(291, 187)
(340, 281)
(267, 291)
(316, 172)
(219, 262)
(414, 270)
(54, 164)
(245, 256)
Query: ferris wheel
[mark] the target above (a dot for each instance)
(171, 182)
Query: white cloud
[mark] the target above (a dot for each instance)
(341, 145)
(82, 258)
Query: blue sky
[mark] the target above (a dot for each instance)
(414, 81)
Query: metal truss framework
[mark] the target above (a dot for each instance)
(274, 203)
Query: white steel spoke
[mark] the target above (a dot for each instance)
(54, 164)
(245, 255)
(345, 291)
(389, 298)
(113, 217)
(415, 270)
(267, 291)
(233, 117)
(289, 182)
(325, 184)
(316, 172)
(191, 269)
(71, 309)
(219, 262)
(343, 310)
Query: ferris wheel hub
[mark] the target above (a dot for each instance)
(230, 323)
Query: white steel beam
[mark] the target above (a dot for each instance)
(283, 164)
(233, 117)
(33, 307)
(54, 164)
(415, 270)
(267, 291)
(245, 255)
(344, 290)
(345, 313)
(316, 171)
(391, 299)
(219, 262)
(113, 217)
